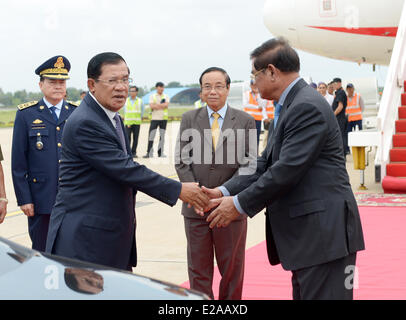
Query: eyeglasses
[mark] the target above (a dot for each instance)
(254, 75)
(114, 82)
(217, 88)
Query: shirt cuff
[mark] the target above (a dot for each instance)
(224, 191)
(238, 206)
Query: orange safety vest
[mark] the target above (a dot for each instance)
(270, 110)
(255, 112)
(353, 109)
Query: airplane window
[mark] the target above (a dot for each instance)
(327, 5)
(328, 8)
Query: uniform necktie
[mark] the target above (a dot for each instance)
(119, 131)
(215, 129)
(54, 115)
(278, 108)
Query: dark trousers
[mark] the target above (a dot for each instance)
(329, 281)
(133, 130)
(38, 230)
(258, 124)
(228, 245)
(151, 136)
(351, 125)
(342, 123)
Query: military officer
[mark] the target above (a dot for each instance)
(36, 148)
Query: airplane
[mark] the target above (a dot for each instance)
(361, 31)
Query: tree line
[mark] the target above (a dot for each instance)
(13, 99)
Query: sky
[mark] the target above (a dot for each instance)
(161, 40)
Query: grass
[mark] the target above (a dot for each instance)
(7, 116)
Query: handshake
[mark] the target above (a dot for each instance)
(204, 199)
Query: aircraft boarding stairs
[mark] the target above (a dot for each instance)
(390, 136)
(395, 180)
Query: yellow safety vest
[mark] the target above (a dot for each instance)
(353, 109)
(255, 112)
(199, 104)
(155, 100)
(132, 112)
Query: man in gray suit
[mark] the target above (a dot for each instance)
(213, 146)
(313, 225)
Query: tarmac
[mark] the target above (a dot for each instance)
(161, 241)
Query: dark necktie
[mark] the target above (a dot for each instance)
(278, 108)
(54, 115)
(119, 130)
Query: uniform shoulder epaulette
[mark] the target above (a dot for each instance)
(75, 104)
(27, 105)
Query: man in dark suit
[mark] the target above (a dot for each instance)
(94, 218)
(313, 225)
(217, 154)
(36, 148)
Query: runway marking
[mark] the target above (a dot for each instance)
(14, 214)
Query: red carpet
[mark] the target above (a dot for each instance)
(381, 267)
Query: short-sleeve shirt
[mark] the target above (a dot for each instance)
(340, 96)
(1, 155)
(158, 114)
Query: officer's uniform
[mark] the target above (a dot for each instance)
(36, 152)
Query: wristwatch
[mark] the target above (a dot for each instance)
(4, 200)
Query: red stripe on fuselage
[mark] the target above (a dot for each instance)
(379, 32)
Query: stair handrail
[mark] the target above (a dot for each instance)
(391, 96)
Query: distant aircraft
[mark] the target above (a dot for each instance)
(361, 31)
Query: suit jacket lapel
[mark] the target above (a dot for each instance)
(96, 108)
(288, 101)
(204, 124)
(228, 123)
(64, 113)
(45, 112)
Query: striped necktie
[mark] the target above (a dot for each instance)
(215, 129)
(53, 112)
(119, 131)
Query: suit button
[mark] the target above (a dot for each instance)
(59, 145)
(60, 161)
(34, 180)
(58, 129)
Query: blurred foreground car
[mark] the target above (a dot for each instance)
(28, 274)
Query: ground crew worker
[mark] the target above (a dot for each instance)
(133, 113)
(199, 103)
(355, 107)
(82, 95)
(36, 148)
(253, 105)
(268, 115)
(159, 103)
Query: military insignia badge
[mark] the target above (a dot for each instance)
(38, 121)
(54, 68)
(27, 105)
(59, 63)
(40, 145)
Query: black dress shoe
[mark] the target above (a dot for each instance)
(146, 156)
